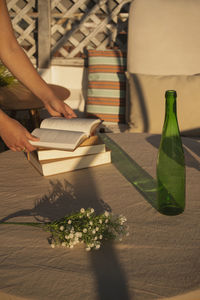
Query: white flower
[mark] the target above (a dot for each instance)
(63, 244)
(71, 235)
(122, 220)
(100, 221)
(97, 228)
(72, 229)
(62, 228)
(71, 246)
(95, 238)
(91, 223)
(52, 245)
(84, 230)
(78, 234)
(82, 210)
(66, 237)
(101, 236)
(69, 222)
(88, 249)
(106, 220)
(88, 215)
(97, 246)
(93, 231)
(106, 213)
(92, 210)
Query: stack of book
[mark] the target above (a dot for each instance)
(66, 145)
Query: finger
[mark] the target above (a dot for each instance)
(12, 148)
(31, 137)
(69, 113)
(28, 147)
(19, 149)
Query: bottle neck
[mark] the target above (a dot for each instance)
(170, 104)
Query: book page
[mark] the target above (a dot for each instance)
(75, 124)
(57, 139)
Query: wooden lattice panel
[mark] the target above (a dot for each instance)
(70, 26)
(23, 15)
(80, 24)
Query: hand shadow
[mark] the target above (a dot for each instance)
(61, 201)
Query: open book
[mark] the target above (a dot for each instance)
(65, 134)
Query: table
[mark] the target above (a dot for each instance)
(158, 260)
(17, 97)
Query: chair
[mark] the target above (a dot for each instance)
(163, 54)
(16, 97)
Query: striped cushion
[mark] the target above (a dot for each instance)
(106, 85)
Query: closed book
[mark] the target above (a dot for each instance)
(91, 145)
(56, 166)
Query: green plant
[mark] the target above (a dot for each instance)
(6, 78)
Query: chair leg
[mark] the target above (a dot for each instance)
(35, 117)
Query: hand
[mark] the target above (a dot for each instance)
(58, 108)
(16, 136)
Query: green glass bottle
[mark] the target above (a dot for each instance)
(170, 163)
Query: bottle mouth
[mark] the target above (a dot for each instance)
(170, 93)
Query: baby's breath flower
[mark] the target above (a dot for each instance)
(71, 235)
(122, 220)
(78, 234)
(86, 227)
(106, 213)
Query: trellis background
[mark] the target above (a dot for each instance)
(58, 32)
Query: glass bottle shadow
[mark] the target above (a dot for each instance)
(131, 170)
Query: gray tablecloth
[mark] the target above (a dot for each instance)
(159, 259)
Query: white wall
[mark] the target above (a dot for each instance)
(72, 79)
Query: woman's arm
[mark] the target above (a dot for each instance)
(20, 66)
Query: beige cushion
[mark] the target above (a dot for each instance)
(146, 104)
(164, 37)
